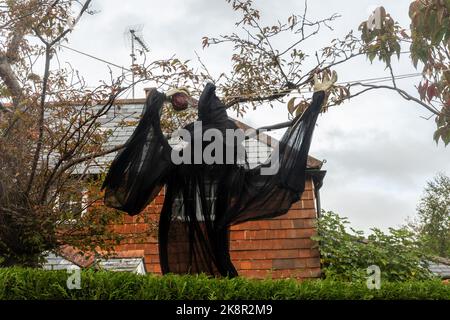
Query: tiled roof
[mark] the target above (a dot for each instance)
(129, 111)
(56, 262)
(440, 267)
(135, 265)
(71, 258)
(312, 163)
(75, 256)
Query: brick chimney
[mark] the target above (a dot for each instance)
(148, 90)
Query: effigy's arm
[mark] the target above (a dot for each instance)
(270, 189)
(138, 172)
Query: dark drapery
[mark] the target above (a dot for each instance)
(202, 199)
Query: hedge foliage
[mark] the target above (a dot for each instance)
(346, 253)
(17, 283)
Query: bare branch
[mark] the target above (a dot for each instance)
(74, 162)
(271, 97)
(10, 80)
(40, 120)
(65, 32)
(402, 93)
(48, 57)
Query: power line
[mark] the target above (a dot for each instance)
(365, 81)
(387, 78)
(273, 92)
(96, 58)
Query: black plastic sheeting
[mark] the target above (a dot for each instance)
(203, 200)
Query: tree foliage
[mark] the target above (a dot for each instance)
(51, 135)
(433, 225)
(270, 63)
(346, 253)
(430, 36)
(266, 68)
(429, 45)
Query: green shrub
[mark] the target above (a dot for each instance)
(346, 253)
(16, 283)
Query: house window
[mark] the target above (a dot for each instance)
(72, 205)
(211, 198)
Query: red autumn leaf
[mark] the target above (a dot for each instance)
(431, 92)
(423, 90)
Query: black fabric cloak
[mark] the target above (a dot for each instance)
(202, 200)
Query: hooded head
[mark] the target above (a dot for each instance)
(180, 98)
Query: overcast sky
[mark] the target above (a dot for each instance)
(379, 150)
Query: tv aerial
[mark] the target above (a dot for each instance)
(134, 36)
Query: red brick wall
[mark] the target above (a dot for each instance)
(276, 248)
(137, 224)
(279, 247)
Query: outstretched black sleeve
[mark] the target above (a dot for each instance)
(139, 170)
(270, 189)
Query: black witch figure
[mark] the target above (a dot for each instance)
(204, 198)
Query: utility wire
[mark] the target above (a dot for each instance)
(365, 81)
(96, 58)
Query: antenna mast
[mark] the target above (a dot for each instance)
(138, 38)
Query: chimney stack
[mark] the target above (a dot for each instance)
(148, 90)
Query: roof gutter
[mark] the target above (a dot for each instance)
(317, 176)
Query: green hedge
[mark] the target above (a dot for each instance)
(18, 283)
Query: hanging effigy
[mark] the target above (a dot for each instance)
(203, 199)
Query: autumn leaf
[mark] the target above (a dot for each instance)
(290, 105)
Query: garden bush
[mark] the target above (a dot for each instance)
(19, 283)
(346, 253)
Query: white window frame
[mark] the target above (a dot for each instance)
(199, 216)
(84, 205)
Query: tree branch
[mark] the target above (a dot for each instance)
(271, 97)
(74, 162)
(369, 87)
(48, 57)
(64, 33)
(10, 80)
(40, 120)
(402, 93)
